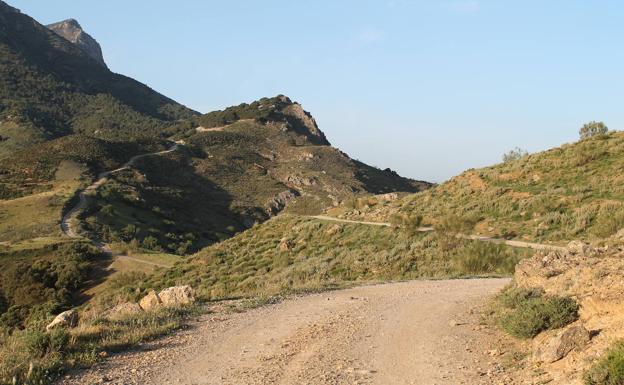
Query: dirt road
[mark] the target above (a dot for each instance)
(481, 238)
(418, 332)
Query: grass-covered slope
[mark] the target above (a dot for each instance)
(50, 88)
(293, 253)
(575, 191)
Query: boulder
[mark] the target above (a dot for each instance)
(578, 247)
(150, 302)
(177, 296)
(124, 309)
(285, 244)
(557, 347)
(67, 319)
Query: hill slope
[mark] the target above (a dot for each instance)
(575, 191)
(50, 88)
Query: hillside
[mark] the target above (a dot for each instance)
(265, 158)
(49, 87)
(575, 191)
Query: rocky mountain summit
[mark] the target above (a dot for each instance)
(71, 30)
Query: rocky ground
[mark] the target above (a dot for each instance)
(594, 278)
(419, 332)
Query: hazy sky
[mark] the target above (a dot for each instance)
(428, 88)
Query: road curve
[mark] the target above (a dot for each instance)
(407, 333)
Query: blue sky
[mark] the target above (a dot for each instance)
(427, 88)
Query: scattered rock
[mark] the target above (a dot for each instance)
(335, 229)
(150, 301)
(67, 319)
(177, 295)
(557, 347)
(578, 247)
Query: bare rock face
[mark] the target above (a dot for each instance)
(72, 31)
(177, 296)
(279, 202)
(67, 319)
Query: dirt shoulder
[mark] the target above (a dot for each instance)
(418, 332)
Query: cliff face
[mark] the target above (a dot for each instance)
(71, 30)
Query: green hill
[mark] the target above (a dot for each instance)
(575, 191)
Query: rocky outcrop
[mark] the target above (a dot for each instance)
(593, 277)
(177, 296)
(170, 297)
(150, 302)
(71, 30)
(67, 319)
(279, 202)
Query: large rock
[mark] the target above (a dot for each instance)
(123, 310)
(177, 296)
(150, 302)
(72, 31)
(557, 347)
(67, 319)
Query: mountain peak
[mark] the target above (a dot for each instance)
(71, 30)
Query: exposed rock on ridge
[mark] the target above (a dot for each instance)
(71, 30)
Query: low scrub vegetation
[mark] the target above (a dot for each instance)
(289, 254)
(609, 370)
(571, 192)
(527, 312)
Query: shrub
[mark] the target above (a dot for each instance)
(592, 129)
(486, 258)
(609, 370)
(515, 154)
(533, 314)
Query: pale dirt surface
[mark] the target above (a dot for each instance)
(417, 332)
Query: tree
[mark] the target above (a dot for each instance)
(592, 129)
(515, 154)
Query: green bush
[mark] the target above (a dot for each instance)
(609, 370)
(481, 257)
(531, 313)
(592, 129)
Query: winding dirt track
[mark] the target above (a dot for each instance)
(67, 225)
(508, 242)
(416, 333)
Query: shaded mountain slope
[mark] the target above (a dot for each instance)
(50, 87)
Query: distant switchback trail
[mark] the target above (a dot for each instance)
(67, 223)
(481, 238)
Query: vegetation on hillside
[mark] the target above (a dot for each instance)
(290, 253)
(527, 312)
(575, 191)
(50, 88)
